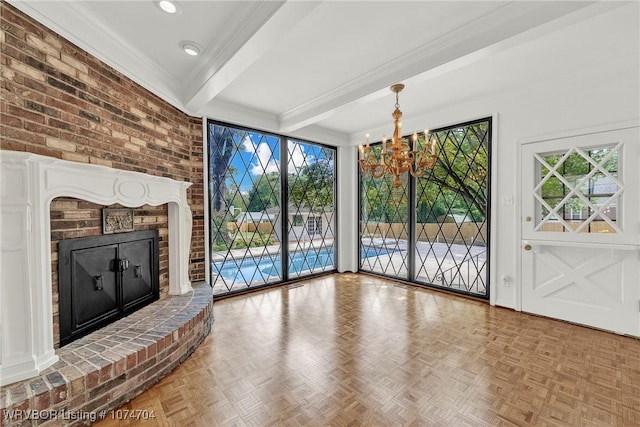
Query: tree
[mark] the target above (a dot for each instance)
(457, 183)
(265, 192)
(573, 168)
(221, 149)
(461, 167)
(313, 187)
(382, 201)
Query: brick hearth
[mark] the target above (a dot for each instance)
(109, 367)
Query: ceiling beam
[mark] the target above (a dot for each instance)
(268, 35)
(457, 48)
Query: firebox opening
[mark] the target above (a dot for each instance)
(104, 278)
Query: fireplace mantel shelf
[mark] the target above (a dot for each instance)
(29, 183)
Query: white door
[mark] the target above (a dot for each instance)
(581, 229)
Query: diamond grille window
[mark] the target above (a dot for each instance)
(448, 240)
(311, 223)
(451, 212)
(578, 191)
(244, 184)
(246, 215)
(384, 216)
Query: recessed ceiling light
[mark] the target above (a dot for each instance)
(168, 6)
(190, 48)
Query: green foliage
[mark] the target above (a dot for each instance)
(222, 147)
(460, 173)
(429, 213)
(574, 170)
(313, 186)
(252, 240)
(244, 240)
(236, 198)
(265, 193)
(382, 201)
(221, 240)
(457, 183)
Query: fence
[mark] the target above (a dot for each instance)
(461, 233)
(244, 227)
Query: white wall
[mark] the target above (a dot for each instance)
(347, 175)
(588, 75)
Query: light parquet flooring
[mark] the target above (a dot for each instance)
(352, 350)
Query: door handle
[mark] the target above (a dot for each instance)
(527, 247)
(123, 264)
(99, 284)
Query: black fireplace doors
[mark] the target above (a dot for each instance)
(104, 278)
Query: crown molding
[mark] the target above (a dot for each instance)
(98, 39)
(493, 27)
(240, 115)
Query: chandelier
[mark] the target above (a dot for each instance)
(398, 158)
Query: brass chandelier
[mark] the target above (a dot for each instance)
(399, 157)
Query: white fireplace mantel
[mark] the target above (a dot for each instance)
(29, 182)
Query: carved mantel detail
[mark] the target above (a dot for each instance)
(29, 182)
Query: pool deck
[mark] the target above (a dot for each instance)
(434, 258)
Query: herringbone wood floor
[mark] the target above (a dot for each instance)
(351, 350)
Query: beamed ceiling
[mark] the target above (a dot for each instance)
(318, 69)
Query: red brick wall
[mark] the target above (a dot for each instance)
(197, 208)
(71, 218)
(59, 101)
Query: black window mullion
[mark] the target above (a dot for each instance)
(360, 219)
(411, 232)
(284, 208)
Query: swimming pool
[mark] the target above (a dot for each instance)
(268, 268)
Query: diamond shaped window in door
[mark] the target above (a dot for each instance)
(579, 190)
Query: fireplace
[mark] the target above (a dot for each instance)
(104, 278)
(29, 183)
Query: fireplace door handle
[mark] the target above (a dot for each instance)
(137, 270)
(98, 282)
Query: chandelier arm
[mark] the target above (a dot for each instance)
(417, 173)
(376, 174)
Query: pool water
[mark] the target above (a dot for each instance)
(268, 268)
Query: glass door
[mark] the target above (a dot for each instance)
(384, 225)
(310, 213)
(452, 212)
(271, 208)
(433, 230)
(244, 206)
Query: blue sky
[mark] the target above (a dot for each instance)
(262, 154)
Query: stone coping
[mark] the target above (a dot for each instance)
(109, 367)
